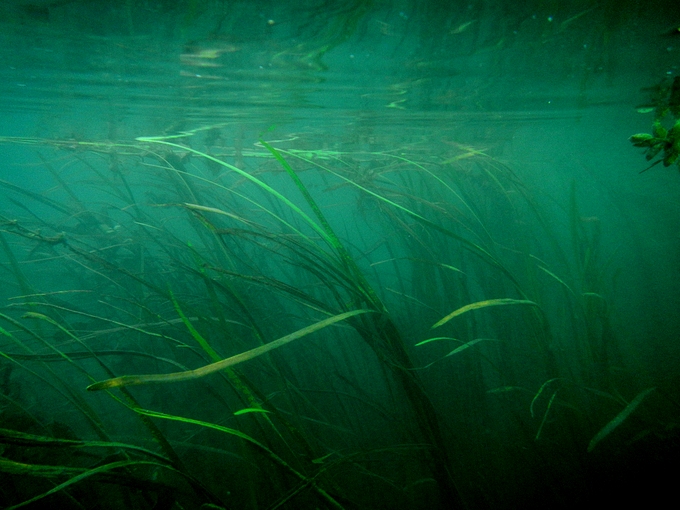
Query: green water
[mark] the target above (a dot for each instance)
(351, 254)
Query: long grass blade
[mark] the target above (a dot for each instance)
(545, 415)
(619, 419)
(132, 380)
(473, 247)
(539, 393)
(275, 458)
(460, 348)
(30, 468)
(483, 304)
(349, 263)
(194, 332)
(249, 177)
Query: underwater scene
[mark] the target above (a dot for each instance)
(348, 254)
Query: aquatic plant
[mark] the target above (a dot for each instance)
(665, 102)
(232, 325)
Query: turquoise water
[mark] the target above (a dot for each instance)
(448, 277)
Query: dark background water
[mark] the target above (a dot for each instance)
(551, 89)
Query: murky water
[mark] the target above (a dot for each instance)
(443, 198)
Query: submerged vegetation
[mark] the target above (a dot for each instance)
(290, 327)
(664, 141)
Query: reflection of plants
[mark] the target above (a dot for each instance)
(666, 104)
(328, 27)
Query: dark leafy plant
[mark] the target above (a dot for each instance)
(666, 105)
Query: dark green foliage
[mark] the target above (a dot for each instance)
(666, 102)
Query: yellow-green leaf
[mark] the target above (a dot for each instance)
(250, 410)
(483, 304)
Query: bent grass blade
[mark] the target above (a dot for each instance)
(619, 419)
(473, 247)
(15, 467)
(132, 380)
(545, 415)
(262, 185)
(462, 347)
(254, 442)
(539, 393)
(483, 304)
(194, 332)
